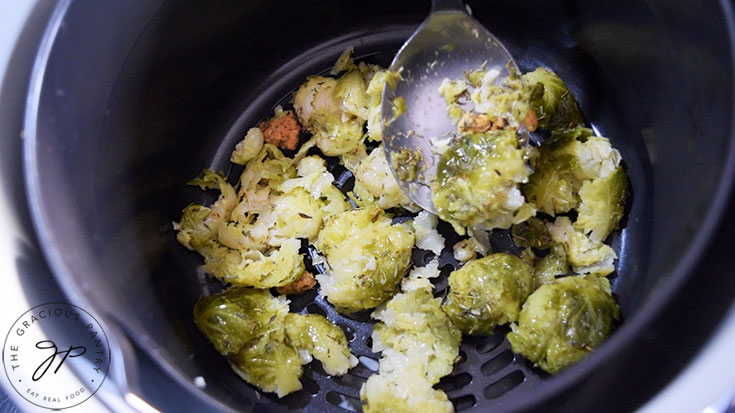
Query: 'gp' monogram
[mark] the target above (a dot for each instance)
(49, 344)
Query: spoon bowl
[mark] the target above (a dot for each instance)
(446, 45)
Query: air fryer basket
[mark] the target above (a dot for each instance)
(131, 100)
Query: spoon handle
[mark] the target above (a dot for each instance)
(445, 5)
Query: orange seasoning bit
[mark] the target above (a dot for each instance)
(281, 130)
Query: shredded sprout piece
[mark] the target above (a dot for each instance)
(253, 268)
(344, 62)
(506, 101)
(374, 91)
(585, 255)
(439, 146)
(374, 182)
(322, 339)
(552, 265)
(464, 250)
(248, 147)
(427, 237)
(403, 389)
(398, 108)
(451, 90)
(597, 158)
(419, 276)
(407, 163)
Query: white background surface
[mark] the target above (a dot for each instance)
(708, 384)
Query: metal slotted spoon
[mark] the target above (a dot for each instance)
(448, 43)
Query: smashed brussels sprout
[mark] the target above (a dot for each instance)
(414, 324)
(229, 320)
(553, 186)
(551, 101)
(566, 161)
(595, 156)
(246, 325)
(601, 206)
(585, 256)
(253, 268)
(419, 346)
(266, 344)
(488, 292)
(208, 231)
(272, 366)
(321, 112)
(561, 323)
(334, 111)
(477, 181)
(367, 256)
